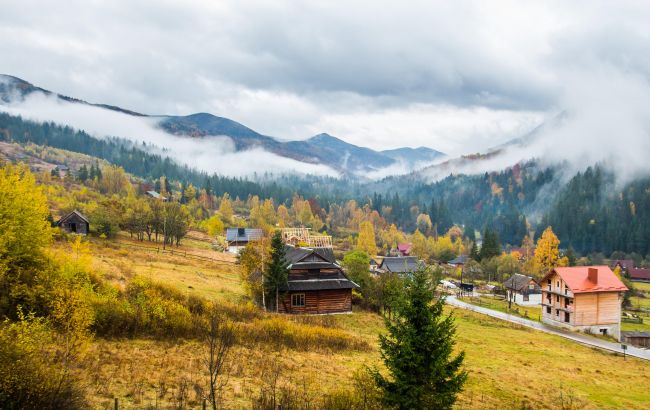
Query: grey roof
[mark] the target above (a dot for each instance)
(461, 260)
(519, 282)
(314, 260)
(400, 264)
(243, 234)
(321, 284)
(155, 195)
(75, 212)
(297, 254)
(635, 334)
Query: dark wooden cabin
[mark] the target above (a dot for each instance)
(317, 284)
(75, 222)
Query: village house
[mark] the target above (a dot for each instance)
(238, 238)
(155, 195)
(628, 269)
(523, 290)
(404, 249)
(399, 264)
(583, 298)
(458, 262)
(639, 274)
(316, 283)
(74, 222)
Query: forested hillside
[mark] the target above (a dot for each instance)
(590, 213)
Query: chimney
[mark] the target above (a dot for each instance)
(592, 275)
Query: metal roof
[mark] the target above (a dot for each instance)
(243, 234)
(400, 264)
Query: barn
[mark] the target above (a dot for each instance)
(75, 222)
(316, 283)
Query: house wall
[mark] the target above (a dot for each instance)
(590, 312)
(81, 226)
(533, 300)
(319, 302)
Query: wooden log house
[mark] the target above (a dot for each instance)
(75, 222)
(583, 298)
(316, 284)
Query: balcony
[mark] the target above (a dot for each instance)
(556, 291)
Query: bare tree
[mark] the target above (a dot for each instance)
(218, 339)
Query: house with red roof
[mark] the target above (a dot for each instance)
(404, 249)
(583, 298)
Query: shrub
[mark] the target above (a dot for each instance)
(31, 374)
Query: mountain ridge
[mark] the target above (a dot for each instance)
(323, 148)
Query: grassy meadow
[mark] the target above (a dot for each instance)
(509, 366)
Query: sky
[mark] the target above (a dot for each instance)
(458, 77)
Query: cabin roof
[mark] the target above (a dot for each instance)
(295, 254)
(316, 259)
(400, 264)
(243, 234)
(519, 282)
(626, 264)
(461, 260)
(321, 284)
(75, 212)
(639, 273)
(577, 279)
(635, 334)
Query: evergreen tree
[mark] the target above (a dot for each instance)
(83, 173)
(473, 253)
(571, 256)
(491, 246)
(277, 274)
(417, 350)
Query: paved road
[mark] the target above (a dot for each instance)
(576, 337)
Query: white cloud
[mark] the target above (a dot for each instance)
(455, 76)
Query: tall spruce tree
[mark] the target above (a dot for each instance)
(491, 246)
(417, 350)
(277, 274)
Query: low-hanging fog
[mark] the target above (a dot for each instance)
(213, 154)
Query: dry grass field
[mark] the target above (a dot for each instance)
(509, 366)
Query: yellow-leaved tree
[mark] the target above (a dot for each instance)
(24, 228)
(225, 208)
(366, 241)
(547, 253)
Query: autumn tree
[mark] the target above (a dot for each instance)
(366, 241)
(547, 252)
(225, 208)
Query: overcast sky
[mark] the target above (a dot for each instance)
(457, 76)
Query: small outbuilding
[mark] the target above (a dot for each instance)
(75, 222)
(238, 238)
(523, 290)
(638, 339)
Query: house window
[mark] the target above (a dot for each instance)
(604, 332)
(557, 298)
(531, 287)
(558, 283)
(548, 310)
(298, 300)
(557, 313)
(566, 317)
(526, 297)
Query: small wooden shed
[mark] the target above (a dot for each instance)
(75, 222)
